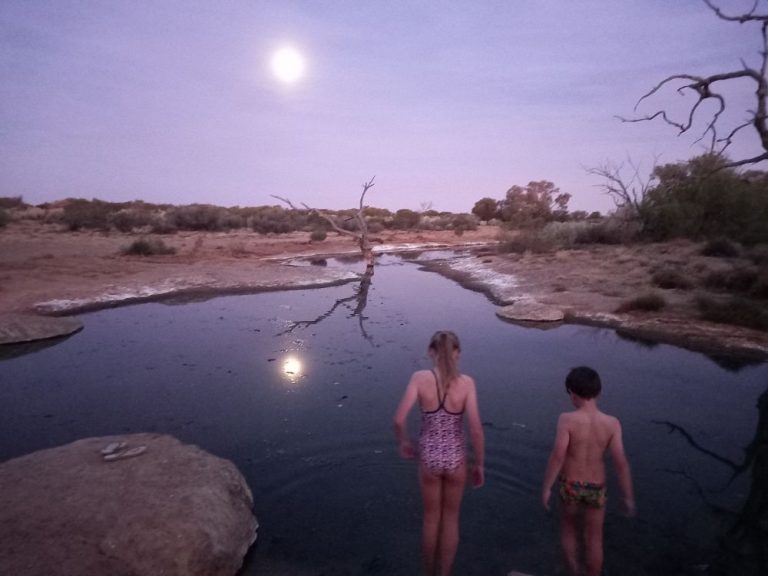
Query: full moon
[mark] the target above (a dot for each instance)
(288, 64)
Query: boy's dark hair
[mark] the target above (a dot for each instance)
(584, 382)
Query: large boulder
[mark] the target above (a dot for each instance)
(172, 509)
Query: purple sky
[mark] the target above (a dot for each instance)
(444, 102)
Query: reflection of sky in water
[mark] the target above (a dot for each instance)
(306, 413)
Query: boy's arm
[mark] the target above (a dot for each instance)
(399, 421)
(476, 436)
(623, 472)
(556, 459)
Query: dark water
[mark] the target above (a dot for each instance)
(315, 442)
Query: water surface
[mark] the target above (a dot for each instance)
(298, 389)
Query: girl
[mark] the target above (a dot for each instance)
(444, 395)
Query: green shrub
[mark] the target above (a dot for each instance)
(670, 279)
(734, 280)
(721, 248)
(318, 235)
(650, 302)
(735, 311)
(4, 218)
(148, 247)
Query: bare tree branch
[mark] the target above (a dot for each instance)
(626, 193)
(361, 236)
(704, 88)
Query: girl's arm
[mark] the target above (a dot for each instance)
(476, 436)
(399, 422)
(556, 459)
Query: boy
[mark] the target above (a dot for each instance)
(577, 460)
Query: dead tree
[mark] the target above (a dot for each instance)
(628, 193)
(705, 88)
(360, 235)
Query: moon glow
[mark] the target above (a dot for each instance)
(288, 65)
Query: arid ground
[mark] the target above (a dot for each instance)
(49, 271)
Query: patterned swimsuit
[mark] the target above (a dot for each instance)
(441, 443)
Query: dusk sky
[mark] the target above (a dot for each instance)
(176, 101)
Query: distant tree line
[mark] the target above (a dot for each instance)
(138, 216)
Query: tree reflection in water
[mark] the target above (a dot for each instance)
(744, 546)
(355, 303)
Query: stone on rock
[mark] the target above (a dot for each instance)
(17, 328)
(172, 509)
(530, 312)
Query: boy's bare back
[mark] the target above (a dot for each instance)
(589, 434)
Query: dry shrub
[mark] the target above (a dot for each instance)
(734, 280)
(670, 279)
(736, 311)
(148, 247)
(650, 302)
(721, 248)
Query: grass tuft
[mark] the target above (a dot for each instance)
(650, 302)
(148, 247)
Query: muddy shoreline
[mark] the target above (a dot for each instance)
(45, 271)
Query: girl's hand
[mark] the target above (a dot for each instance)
(629, 508)
(478, 475)
(407, 450)
(545, 496)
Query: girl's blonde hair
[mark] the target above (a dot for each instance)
(443, 344)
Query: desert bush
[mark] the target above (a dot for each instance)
(318, 235)
(733, 280)
(701, 199)
(12, 203)
(607, 231)
(4, 217)
(758, 254)
(148, 247)
(95, 214)
(736, 311)
(197, 217)
(650, 302)
(759, 289)
(375, 226)
(460, 223)
(670, 279)
(277, 220)
(721, 248)
(405, 219)
(526, 241)
(162, 224)
(128, 219)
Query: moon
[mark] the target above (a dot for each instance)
(288, 64)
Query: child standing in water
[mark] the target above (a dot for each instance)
(444, 396)
(577, 462)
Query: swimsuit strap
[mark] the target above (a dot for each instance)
(437, 387)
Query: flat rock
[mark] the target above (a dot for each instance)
(17, 328)
(173, 509)
(530, 312)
